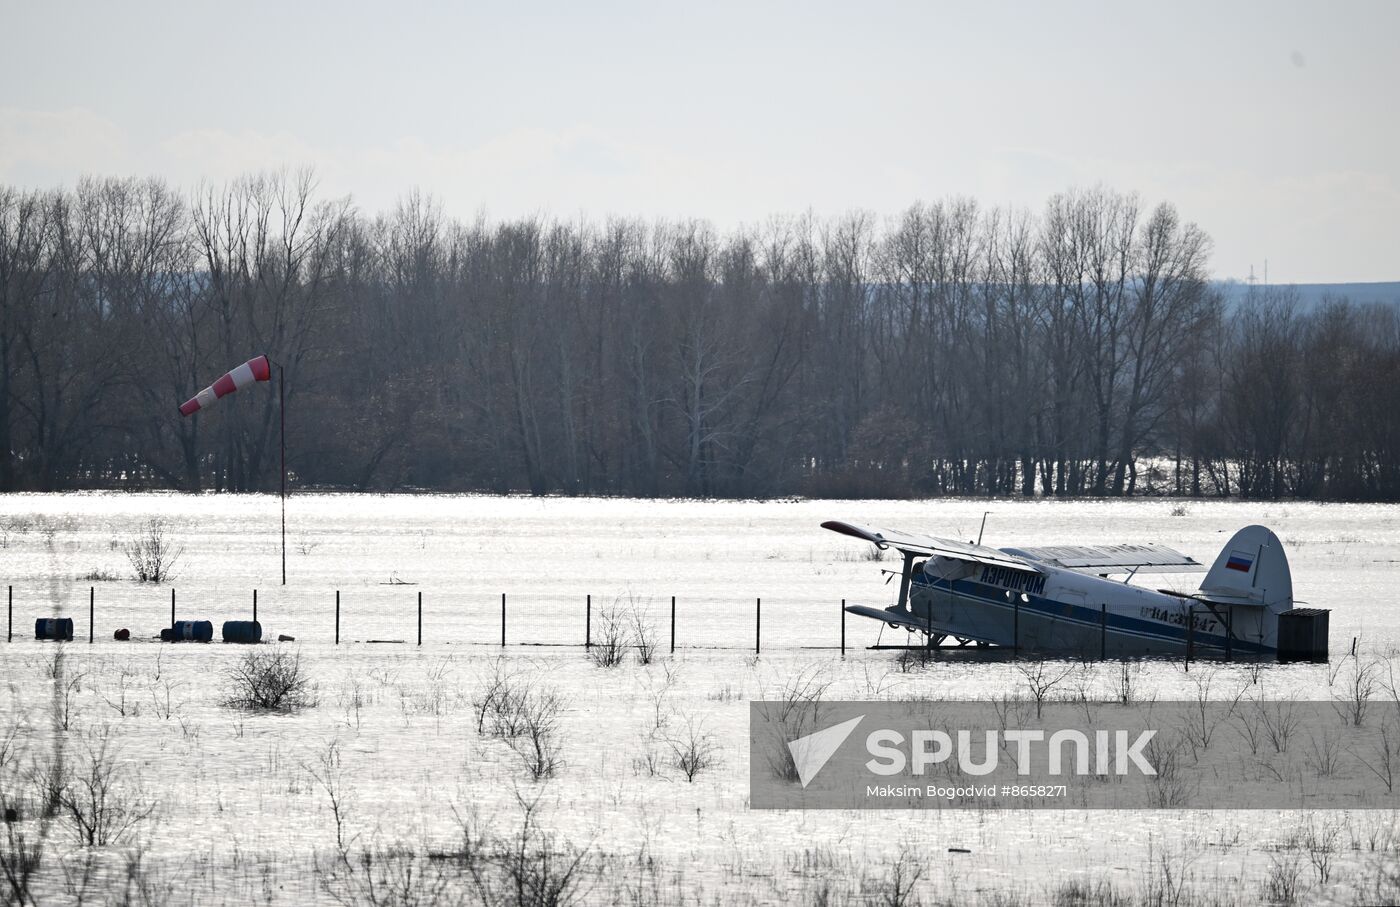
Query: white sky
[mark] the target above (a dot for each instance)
(1272, 125)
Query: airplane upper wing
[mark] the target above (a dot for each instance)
(928, 545)
(1115, 558)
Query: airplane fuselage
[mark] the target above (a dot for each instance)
(1060, 599)
(1070, 612)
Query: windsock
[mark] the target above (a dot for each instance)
(250, 371)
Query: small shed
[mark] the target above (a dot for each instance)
(1302, 635)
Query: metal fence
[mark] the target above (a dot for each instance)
(400, 614)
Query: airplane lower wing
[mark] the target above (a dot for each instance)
(898, 618)
(895, 617)
(928, 545)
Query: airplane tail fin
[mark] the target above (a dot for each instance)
(1251, 568)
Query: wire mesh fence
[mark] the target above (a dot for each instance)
(406, 614)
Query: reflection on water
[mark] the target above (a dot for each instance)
(235, 790)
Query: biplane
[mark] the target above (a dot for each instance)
(1079, 601)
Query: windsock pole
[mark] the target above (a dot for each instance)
(282, 432)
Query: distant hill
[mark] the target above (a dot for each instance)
(1312, 295)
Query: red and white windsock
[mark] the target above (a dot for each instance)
(250, 371)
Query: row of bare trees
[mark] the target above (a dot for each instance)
(951, 350)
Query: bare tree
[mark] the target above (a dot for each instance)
(955, 349)
(99, 805)
(25, 263)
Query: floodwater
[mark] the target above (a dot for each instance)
(718, 559)
(240, 815)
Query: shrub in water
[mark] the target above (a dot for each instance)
(270, 679)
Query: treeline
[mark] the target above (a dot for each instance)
(950, 350)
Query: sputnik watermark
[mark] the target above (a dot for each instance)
(892, 754)
(928, 749)
(811, 752)
(1234, 754)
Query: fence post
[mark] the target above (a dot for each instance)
(255, 606)
(588, 623)
(843, 626)
(757, 625)
(420, 617)
(1190, 635)
(337, 617)
(92, 610)
(1015, 626)
(503, 620)
(673, 625)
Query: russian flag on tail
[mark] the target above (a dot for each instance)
(1239, 561)
(253, 370)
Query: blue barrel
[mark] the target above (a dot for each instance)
(192, 630)
(53, 628)
(242, 631)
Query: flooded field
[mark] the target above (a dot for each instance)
(382, 790)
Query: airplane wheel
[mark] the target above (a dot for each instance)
(893, 626)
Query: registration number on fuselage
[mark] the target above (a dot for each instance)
(1178, 618)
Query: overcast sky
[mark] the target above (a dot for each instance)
(1272, 125)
